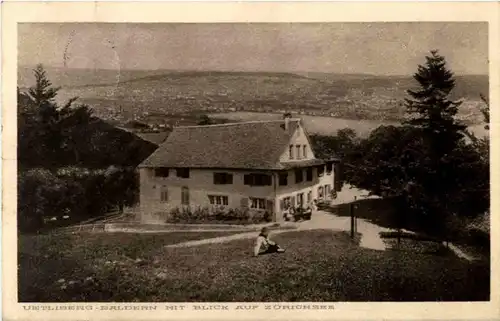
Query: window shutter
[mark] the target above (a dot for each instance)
(244, 202)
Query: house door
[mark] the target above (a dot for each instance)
(300, 200)
(327, 192)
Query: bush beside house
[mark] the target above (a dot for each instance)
(215, 215)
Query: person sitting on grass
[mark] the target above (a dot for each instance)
(264, 245)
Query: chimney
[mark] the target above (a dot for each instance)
(287, 117)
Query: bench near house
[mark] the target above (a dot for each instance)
(262, 165)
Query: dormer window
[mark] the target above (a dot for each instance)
(291, 152)
(298, 151)
(304, 151)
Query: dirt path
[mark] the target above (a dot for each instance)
(370, 233)
(321, 220)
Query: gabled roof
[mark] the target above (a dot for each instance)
(246, 145)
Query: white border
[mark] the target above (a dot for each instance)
(14, 12)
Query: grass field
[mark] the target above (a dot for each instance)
(318, 266)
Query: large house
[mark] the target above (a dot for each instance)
(263, 165)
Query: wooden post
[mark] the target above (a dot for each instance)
(355, 224)
(351, 211)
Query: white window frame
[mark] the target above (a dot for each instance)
(257, 203)
(219, 200)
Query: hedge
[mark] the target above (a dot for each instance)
(217, 215)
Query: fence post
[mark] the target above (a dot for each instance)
(351, 212)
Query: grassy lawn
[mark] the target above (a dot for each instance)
(318, 266)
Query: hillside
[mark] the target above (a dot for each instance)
(167, 92)
(65, 77)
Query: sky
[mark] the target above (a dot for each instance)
(369, 48)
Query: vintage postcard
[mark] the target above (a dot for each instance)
(287, 161)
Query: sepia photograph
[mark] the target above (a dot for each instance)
(251, 164)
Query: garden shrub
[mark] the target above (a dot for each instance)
(216, 215)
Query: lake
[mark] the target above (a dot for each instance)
(325, 125)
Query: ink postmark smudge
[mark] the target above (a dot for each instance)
(66, 54)
(106, 57)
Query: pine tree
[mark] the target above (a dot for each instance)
(433, 112)
(48, 133)
(43, 92)
(430, 107)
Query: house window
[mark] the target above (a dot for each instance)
(309, 197)
(185, 195)
(258, 203)
(164, 194)
(304, 151)
(218, 199)
(223, 178)
(298, 151)
(257, 180)
(329, 168)
(183, 172)
(161, 172)
(300, 199)
(290, 152)
(299, 176)
(309, 174)
(321, 171)
(283, 179)
(320, 192)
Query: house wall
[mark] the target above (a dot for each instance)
(200, 184)
(292, 189)
(298, 138)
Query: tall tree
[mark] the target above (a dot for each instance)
(43, 94)
(47, 130)
(430, 107)
(431, 110)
